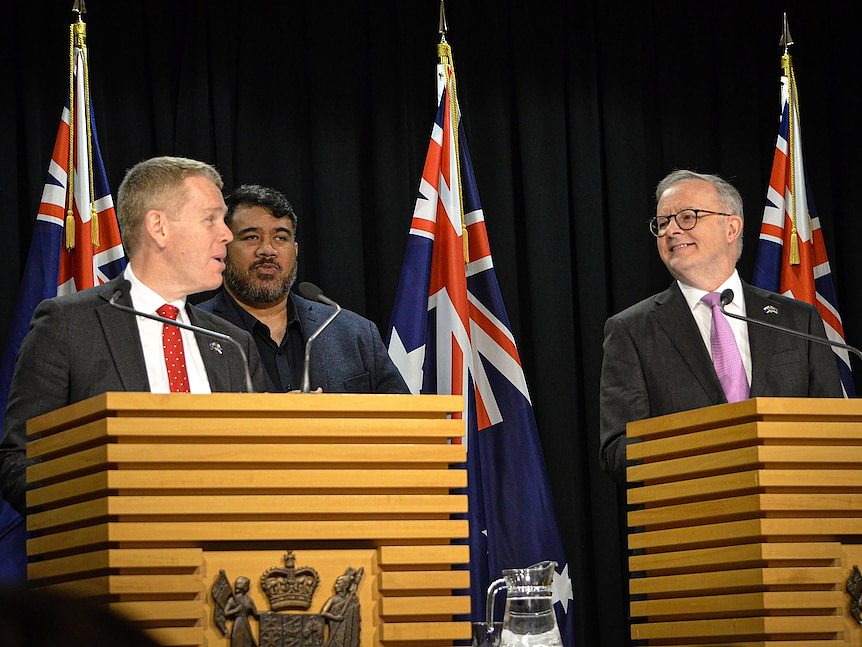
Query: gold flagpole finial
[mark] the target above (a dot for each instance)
(443, 27)
(786, 39)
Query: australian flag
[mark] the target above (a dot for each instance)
(53, 267)
(791, 254)
(450, 334)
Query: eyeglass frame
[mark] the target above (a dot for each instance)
(672, 216)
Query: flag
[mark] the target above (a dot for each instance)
(791, 253)
(76, 239)
(450, 334)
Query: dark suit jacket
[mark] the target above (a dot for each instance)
(79, 346)
(347, 357)
(655, 362)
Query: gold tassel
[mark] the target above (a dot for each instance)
(94, 226)
(794, 248)
(70, 230)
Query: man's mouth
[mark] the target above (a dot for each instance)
(679, 246)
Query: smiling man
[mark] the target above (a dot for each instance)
(171, 214)
(348, 357)
(676, 351)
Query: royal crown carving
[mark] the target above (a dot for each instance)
(289, 587)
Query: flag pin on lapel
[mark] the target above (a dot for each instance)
(215, 346)
(770, 310)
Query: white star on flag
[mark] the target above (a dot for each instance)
(562, 588)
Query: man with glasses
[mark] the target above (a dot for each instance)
(676, 351)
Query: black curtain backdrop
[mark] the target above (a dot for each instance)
(574, 111)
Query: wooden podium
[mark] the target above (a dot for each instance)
(141, 499)
(745, 522)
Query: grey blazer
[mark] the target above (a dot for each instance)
(78, 346)
(348, 357)
(655, 362)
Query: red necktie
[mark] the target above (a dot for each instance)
(175, 358)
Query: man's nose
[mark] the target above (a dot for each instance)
(266, 248)
(226, 234)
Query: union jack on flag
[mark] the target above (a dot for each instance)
(791, 254)
(450, 334)
(53, 266)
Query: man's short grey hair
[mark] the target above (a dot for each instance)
(730, 198)
(156, 183)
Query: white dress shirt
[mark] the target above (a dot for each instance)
(146, 300)
(703, 316)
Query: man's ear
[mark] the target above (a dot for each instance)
(734, 227)
(155, 226)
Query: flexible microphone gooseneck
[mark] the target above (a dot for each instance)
(203, 331)
(727, 297)
(313, 293)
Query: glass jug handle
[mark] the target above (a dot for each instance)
(493, 588)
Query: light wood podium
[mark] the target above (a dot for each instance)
(745, 521)
(141, 499)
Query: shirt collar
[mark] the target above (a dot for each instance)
(693, 295)
(145, 298)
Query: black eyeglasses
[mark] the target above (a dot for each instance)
(685, 219)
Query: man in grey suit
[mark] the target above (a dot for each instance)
(659, 354)
(348, 356)
(171, 214)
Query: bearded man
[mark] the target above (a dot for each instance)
(347, 357)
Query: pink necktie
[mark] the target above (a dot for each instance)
(175, 357)
(725, 353)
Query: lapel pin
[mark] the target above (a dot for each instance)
(215, 346)
(770, 310)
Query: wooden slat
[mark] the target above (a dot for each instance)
(713, 605)
(426, 605)
(441, 555)
(746, 458)
(275, 507)
(746, 481)
(736, 580)
(734, 532)
(748, 433)
(746, 506)
(780, 409)
(244, 456)
(366, 430)
(155, 585)
(159, 610)
(155, 559)
(424, 580)
(736, 556)
(774, 643)
(773, 626)
(421, 632)
(253, 405)
(229, 481)
(282, 531)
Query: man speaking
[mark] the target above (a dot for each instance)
(171, 215)
(676, 350)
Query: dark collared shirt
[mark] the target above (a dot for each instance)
(283, 362)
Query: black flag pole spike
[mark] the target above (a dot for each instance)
(786, 38)
(443, 28)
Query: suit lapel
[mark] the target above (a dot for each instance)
(761, 341)
(218, 370)
(674, 316)
(122, 338)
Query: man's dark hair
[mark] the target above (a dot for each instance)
(254, 195)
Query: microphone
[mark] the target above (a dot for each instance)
(197, 329)
(727, 296)
(313, 293)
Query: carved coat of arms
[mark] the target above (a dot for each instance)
(287, 589)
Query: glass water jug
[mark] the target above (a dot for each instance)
(528, 619)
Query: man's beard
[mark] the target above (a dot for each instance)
(256, 291)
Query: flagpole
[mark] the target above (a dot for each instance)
(445, 58)
(793, 110)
